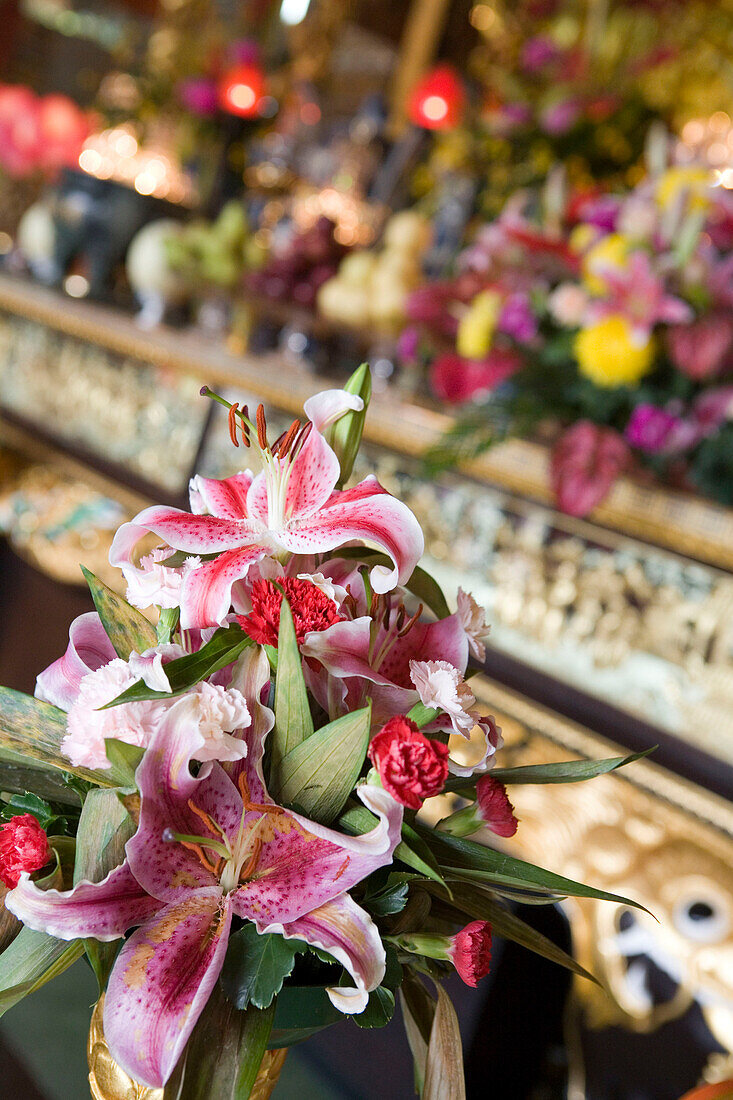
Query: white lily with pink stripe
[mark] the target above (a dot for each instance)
(291, 507)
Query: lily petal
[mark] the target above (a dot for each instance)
(206, 592)
(192, 533)
(492, 740)
(225, 498)
(367, 513)
(104, 910)
(327, 406)
(303, 865)
(346, 932)
(161, 982)
(89, 648)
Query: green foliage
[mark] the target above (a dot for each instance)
(293, 721)
(52, 819)
(31, 960)
(126, 627)
(345, 435)
(562, 771)
(257, 965)
(388, 899)
(711, 470)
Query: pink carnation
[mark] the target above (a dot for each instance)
(24, 848)
(470, 951)
(494, 806)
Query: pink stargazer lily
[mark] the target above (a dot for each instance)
(637, 292)
(292, 506)
(209, 848)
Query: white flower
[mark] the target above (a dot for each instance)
(153, 583)
(568, 304)
(441, 685)
(335, 592)
(87, 726)
(217, 712)
(473, 621)
(148, 666)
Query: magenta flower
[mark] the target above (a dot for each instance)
(635, 291)
(701, 349)
(651, 429)
(560, 117)
(585, 463)
(199, 95)
(538, 53)
(208, 849)
(517, 318)
(291, 506)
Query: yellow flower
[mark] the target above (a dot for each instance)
(610, 355)
(694, 181)
(610, 251)
(476, 328)
(582, 237)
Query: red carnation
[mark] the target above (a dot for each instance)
(311, 608)
(494, 806)
(23, 847)
(411, 766)
(470, 951)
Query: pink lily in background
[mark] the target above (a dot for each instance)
(291, 507)
(209, 848)
(637, 292)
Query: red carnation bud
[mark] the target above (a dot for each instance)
(412, 767)
(311, 609)
(470, 951)
(494, 806)
(23, 847)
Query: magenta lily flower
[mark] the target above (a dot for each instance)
(637, 292)
(291, 507)
(209, 848)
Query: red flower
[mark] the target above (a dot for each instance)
(700, 350)
(23, 847)
(585, 463)
(412, 767)
(311, 608)
(470, 951)
(494, 806)
(456, 380)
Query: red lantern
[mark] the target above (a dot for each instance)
(438, 100)
(241, 90)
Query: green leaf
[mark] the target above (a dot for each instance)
(126, 627)
(185, 672)
(18, 774)
(31, 960)
(124, 759)
(477, 903)
(412, 850)
(293, 722)
(460, 856)
(418, 1012)
(319, 774)
(257, 965)
(444, 1078)
(301, 1011)
(563, 771)
(421, 584)
(391, 899)
(379, 1010)
(105, 826)
(224, 1054)
(34, 729)
(345, 435)
(167, 623)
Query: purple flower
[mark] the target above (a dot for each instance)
(538, 52)
(517, 319)
(560, 117)
(408, 343)
(198, 95)
(651, 429)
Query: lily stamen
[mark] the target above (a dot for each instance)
(261, 428)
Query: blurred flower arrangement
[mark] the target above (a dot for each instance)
(607, 313)
(242, 785)
(38, 134)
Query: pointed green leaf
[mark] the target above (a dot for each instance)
(300, 1011)
(293, 722)
(379, 1010)
(411, 850)
(418, 1012)
(562, 771)
(421, 584)
(224, 1054)
(256, 966)
(477, 903)
(31, 960)
(124, 759)
(444, 1078)
(19, 774)
(466, 857)
(34, 729)
(126, 627)
(319, 774)
(345, 435)
(185, 672)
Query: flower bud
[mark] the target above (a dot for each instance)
(23, 847)
(411, 766)
(469, 950)
(491, 810)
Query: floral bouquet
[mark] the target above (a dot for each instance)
(226, 811)
(609, 314)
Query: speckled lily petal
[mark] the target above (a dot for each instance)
(346, 932)
(89, 648)
(226, 498)
(104, 910)
(206, 593)
(161, 982)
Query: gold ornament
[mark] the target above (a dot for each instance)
(108, 1081)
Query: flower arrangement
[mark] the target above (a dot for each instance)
(38, 134)
(610, 314)
(226, 810)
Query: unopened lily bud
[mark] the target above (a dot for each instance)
(345, 435)
(469, 950)
(492, 810)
